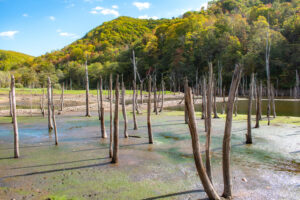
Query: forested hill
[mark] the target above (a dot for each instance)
(228, 32)
(11, 60)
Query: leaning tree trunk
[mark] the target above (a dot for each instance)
(115, 158)
(14, 116)
(207, 185)
(208, 116)
(227, 132)
(249, 128)
(53, 117)
(162, 96)
(103, 131)
(204, 106)
(215, 99)
(257, 106)
(135, 127)
(273, 100)
(87, 91)
(149, 112)
(62, 97)
(124, 111)
(50, 124)
(110, 118)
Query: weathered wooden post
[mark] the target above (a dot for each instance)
(110, 118)
(87, 90)
(207, 185)
(115, 158)
(14, 116)
(149, 112)
(103, 131)
(208, 116)
(227, 132)
(124, 110)
(50, 124)
(53, 117)
(249, 128)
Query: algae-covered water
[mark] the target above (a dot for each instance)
(79, 168)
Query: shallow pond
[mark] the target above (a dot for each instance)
(283, 107)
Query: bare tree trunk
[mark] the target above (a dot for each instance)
(141, 92)
(162, 95)
(207, 185)
(87, 90)
(208, 136)
(110, 118)
(98, 102)
(62, 97)
(14, 116)
(257, 105)
(53, 117)
(31, 101)
(115, 158)
(136, 101)
(224, 101)
(133, 107)
(204, 105)
(249, 128)
(186, 117)
(10, 105)
(227, 132)
(236, 104)
(103, 131)
(124, 110)
(260, 100)
(215, 99)
(273, 100)
(50, 125)
(155, 96)
(43, 103)
(149, 112)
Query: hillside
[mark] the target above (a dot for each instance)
(10, 60)
(228, 32)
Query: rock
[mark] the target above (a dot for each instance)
(245, 180)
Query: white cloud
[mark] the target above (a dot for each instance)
(25, 15)
(142, 5)
(204, 6)
(115, 7)
(52, 18)
(66, 34)
(104, 11)
(147, 17)
(8, 34)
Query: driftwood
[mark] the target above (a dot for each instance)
(149, 112)
(115, 158)
(227, 132)
(14, 116)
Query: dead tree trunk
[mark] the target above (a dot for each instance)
(50, 124)
(115, 158)
(224, 101)
(208, 136)
(260, 100)
(10, 105)
(53, 117)
(135, 127)
(215, 99)
(124, 110)
(207, 185)
(14, 116)
(162, 95)
(62, 97)
(204, 106)
(110, 118)
(43, 103)
(87, 90)
(103, 131)
(249, 128)
(236, 104)
(273, 100)
(227, 132)
(31, 102)
(155, 96)
(257, 106)
(186, 117)
(141, 92)
(98, 102)
(149, 112)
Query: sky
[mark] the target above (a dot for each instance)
(36, 27)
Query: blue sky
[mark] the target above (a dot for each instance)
(35, 27)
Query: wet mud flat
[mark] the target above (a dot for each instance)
(79, 168)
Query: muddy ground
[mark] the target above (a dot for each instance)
(79, 167)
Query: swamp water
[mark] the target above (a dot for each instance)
(79, 167)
